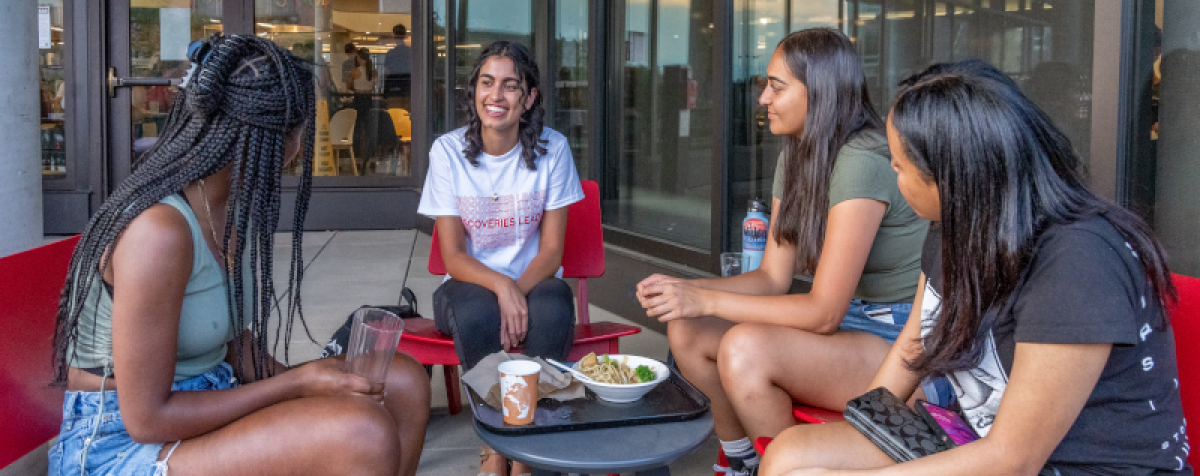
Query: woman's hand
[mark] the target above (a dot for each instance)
(514, 314)
(670, 298)
(327, 377)
(651, 280)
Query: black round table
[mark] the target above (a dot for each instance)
(641, 449)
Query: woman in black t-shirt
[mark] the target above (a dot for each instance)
(1042, 302)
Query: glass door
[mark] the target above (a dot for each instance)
(147, 58)
(663, 115)
(362, 53)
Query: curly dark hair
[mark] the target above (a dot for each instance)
(530, 129)
(242, 101)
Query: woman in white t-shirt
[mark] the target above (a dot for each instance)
(499, 189)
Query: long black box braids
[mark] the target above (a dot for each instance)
(244, 96)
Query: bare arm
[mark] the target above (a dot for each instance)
(849, 234)
(550, 250)
(514, 313)
(151, 265)
(1050, 384)
(894, 373)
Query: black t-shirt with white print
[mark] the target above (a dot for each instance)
(1084, 285)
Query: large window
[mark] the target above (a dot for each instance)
(1167, 166)
(658, 173)
(52, 89)
(361, 53)
(159, 34)
(572, 89)
(463, 28)
(1046, 46)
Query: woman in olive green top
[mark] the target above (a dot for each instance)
(838, 216)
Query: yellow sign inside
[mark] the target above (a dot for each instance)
(323, 161)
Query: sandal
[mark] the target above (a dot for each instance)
(484, 454)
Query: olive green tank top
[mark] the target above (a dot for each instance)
(204, 324)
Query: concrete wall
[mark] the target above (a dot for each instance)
(20, 167)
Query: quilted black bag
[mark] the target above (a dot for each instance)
(894, 427)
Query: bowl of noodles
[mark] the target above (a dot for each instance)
(621, 378)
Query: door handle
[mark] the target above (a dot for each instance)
(114, 82)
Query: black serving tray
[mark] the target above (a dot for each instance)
(673, 400)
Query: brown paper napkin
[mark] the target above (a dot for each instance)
(484, 379)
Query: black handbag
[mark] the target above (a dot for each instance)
(894, 427)
(406, 309)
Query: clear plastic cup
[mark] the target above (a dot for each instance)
(373, 339)
(731, 264)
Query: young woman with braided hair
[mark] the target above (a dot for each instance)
(162, 337)
(499, 189)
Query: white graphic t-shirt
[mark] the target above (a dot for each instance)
(499, 201)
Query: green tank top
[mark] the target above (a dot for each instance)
(204, 323)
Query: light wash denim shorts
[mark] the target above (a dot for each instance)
(886, 320)
(882, 319)
(112, 451)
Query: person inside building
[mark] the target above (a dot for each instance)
(348, 64)
(1042, 302)
(163, 338)
(836, 215)
(397, 65)
(363, 77)
(498, 189)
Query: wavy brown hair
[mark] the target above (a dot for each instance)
(839, 107)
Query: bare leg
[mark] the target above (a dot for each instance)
(406, 398)
(325, 435)
(831, 445)
(519, 468)
(695, 343)
(492, 462)
(764, 368)
(321, 435)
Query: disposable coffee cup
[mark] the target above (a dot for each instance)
(374, 335)
(518, 390)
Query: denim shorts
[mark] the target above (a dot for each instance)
(882, 319)
(886, 320)
(112, 451)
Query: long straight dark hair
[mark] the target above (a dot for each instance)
(838, 108)
(1004, 173)
(530, 128)
(243, 99)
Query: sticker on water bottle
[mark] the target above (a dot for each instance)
(754, 235)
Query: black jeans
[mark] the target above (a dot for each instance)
(471, 313)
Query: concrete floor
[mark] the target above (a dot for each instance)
(347, 269)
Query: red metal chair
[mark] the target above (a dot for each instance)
(30, 285)
(1185, 324)
(583, 257)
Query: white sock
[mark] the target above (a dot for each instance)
(742, 450)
